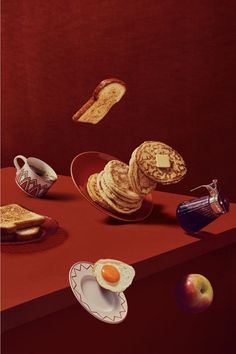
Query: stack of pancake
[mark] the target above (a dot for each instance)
(111, 188)
(121, 187)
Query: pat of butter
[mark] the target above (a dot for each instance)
(162, 161)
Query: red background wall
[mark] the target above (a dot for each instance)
(177, 58)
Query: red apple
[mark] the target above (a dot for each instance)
(194, 293)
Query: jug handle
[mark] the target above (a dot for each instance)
(212, 187)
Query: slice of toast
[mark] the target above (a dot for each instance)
(106, 94)
(28, 233)
(15, 217)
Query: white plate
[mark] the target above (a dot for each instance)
(103, 304)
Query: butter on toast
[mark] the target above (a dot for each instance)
(106, 94)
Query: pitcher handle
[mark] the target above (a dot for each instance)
(212, 187)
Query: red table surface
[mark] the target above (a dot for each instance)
(32, 272)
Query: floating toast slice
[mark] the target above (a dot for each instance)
(106, 94)
(15, 217)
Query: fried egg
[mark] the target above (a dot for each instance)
(113, 275)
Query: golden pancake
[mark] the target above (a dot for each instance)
(160, 162)
(94, 192)
(117, 178)
(116, 198)
(140, 183)
(112, 203)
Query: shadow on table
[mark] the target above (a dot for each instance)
(205, 235)
(50, 241)
(158, 216)
(61, 196)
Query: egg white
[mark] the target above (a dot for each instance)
(126, 271)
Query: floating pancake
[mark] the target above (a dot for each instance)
(140, 183)
(160, 162)
(116, 198)
(94, 192)
(112, 203)
(117, 177)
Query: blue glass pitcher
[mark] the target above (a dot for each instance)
(197, 213)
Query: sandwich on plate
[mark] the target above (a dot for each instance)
(19, 224)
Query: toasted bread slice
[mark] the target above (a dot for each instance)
(28, 233)
(106, 94)
(15, 217)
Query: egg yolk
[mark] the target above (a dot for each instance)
(110, 273)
